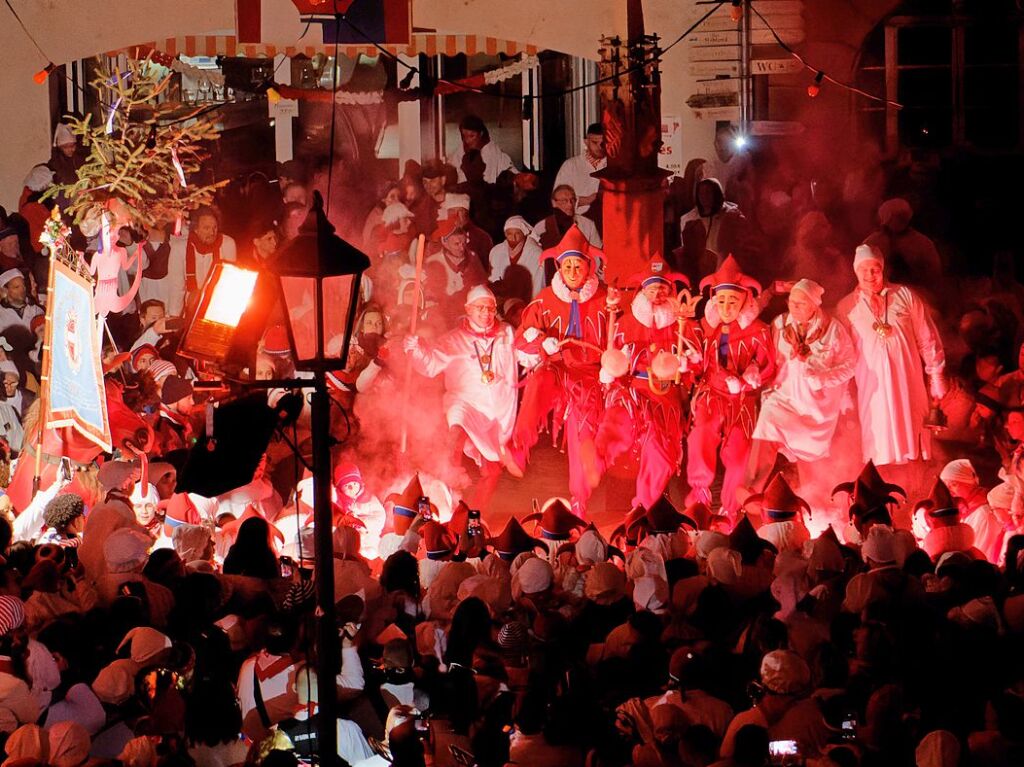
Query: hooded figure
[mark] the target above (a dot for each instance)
(713, 223)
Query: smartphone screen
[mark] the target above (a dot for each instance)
(783, 748)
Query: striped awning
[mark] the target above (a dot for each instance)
(430, 44)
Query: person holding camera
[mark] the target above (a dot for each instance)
(782, 706)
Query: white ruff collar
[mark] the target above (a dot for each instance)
(560, 289)
(651, 316)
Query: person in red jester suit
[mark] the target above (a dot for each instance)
(656, 342)
(738, 361)
(562, 335)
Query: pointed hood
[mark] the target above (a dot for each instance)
(405, 505)
(745, 540)
(778, 502)
(664, 518)
(940, 506)
(869, 504)
(626, 532)
(556, 521)
(729, 276)
(437, 541)
(514, 540)
(870, 477)
(573, 243)
(658, 270)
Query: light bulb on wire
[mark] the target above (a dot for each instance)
(740, 141)
(736, 12)
(41, 76)
(815, 88)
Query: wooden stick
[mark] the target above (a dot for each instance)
(416, 292)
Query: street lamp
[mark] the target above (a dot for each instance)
(317, 277)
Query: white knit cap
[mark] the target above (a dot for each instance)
(39, 178)
(394, 213)
(959, 470)
(811, 289)
(478, 293)
(63, 135)
(518, 222)
(9, 275)
(455, 201)
(865, 252)
(880, 545)
(1000, 496)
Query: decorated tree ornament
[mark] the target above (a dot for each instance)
(139, 162)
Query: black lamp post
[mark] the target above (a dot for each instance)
(318, 276)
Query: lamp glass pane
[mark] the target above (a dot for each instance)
(337, 303)
(300, 303)
(230, 296)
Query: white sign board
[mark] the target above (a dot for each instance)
(714, 53)
(284, 108)
(775, 66)
(670, 156)
(775, 128)
(730, 114)
(712, 68)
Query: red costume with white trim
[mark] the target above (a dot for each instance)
(645, 406)
(738, 361)
(565, 383)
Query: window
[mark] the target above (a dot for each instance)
(958, 78)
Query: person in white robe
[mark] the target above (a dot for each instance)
(478, 361)
(799, 412)
(897, 345)
(518, 249)
(576, 171)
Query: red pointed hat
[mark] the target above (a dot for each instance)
(573, 243)
(658, 270)
(868, 504)
(729, 276)
(940, 506)
(663, 517)
(405, 509)
(230, 529)
(627, 531)
(438, 542)
(872, 480)
(556, 521)
(513, 541)
(778, 501)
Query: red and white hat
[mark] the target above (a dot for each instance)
(573, 245)
(729, 276)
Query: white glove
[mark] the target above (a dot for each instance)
(752, 376)
(733, 384)
(531, 335)
(683, 363)
(605, 377)
(549, 345)
(694, 356)
(937, 385)
(409, 343)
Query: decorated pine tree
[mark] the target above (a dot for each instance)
(141, 167)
